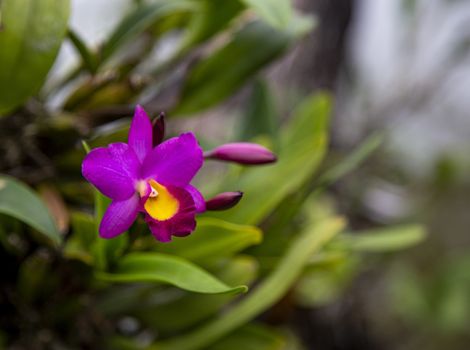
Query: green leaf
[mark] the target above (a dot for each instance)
(301, 25)
(89, 59)
(31, 34)
(266, 294)
(303, 208)
(32, 274)
(261, 117)
(251, 337)
(436, 298)
(303, 146)
(17, 200)
(140, 19)
(120, 342)
(323, 284)
(162, 268)
(281, 15)
(223, 72)
(79, 244)
(387, 239)
(209, 19)
(106, 251)
(278, 13)
(213, 238)
(352, 160)
(409, 295)
(166, 317)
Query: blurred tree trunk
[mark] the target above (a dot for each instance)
(329, 41)
(318, 60)
(316, 65)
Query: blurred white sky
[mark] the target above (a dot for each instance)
(92, 20)
(413, 73)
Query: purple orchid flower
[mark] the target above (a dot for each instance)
(153, 178)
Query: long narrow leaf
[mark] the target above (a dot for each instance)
(352, 160)
(197, 307)
(17, 200)
(141, 18)
(163, 268)
(267, 293)
(213, 238)
(222, 73)
(31, 34)
(89, 60)
(252, 337)
(386, 239)
(278, 13)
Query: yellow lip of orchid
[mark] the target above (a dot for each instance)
(161, 205)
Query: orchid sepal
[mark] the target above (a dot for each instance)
(158, 129)
(224, 201)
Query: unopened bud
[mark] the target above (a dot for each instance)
(242, 153)
(223, 201)
(158, 125)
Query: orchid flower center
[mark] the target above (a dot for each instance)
(161, 204)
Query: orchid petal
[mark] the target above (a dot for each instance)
(160, 230)
(198, 199)
(185, 225)
(140, 134)
(182, 224)
(112, 170)
(119, 217)
(175, 161)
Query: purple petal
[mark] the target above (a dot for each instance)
(112, 170)
(243, 153)
(182, 224)
(140, 133)
(119, 217)
(175, 161)
(198, 199)
(224, 201)
(160, 230)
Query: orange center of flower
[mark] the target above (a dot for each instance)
(161, 204)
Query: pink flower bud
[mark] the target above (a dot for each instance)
(224, 200)
(158, 125)
(242, 153)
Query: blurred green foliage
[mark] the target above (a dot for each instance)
(67, 287)
(32, 32)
